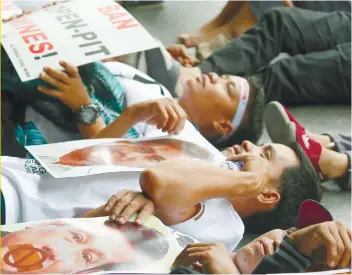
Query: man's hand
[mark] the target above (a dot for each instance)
(179, 53)
(257, 168)
(208, 258)
(335, 237)
(70, 88)
(124, 204)
(165, 113)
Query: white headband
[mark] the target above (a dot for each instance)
(242, 105)
(243, 86)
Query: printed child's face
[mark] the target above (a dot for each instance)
(248, 257)
(67, 248)
(141, 154)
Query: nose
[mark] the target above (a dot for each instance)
(248, 146)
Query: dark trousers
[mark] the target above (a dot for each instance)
(319, 43)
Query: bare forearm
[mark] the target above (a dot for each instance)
(119, 126)
(98, 212)
(90, 130)
(177, 187)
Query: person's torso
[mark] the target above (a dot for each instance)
(33, 194)
(216, 222)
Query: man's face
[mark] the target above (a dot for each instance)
(206, 100)
(139, 154)
(249, 256)
(63, 248)
(278, 156)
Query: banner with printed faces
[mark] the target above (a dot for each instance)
(89, 157)
(87, 246)
(78, 32)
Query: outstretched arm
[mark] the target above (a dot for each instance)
(177, 187)
(165, 113)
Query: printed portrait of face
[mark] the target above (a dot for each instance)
(134, 154)
(248, 257)
(64, 248)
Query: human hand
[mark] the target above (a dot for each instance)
(70, 88)
(257, 168)
(124, 204)
(179, 53)
(13, 17)
(335, 237)
(208, 258)
(165, 113)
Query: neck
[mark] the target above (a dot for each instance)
(244, 206)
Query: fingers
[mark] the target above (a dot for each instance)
(182, 117)
(346, 240)
(52, 81)
(164, 116)
(111, 202)
(184, 257)
(340, 247)
(176, 118)
(145, 213)
(192, 258)
(120, 205)
(171, 123)
(70, 69)
(328, 240)
(57, 75)
(50, 92)
(127, 203)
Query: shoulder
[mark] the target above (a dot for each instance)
(217, 221)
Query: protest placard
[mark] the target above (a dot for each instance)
(90, 157)
(87, 246)
(78, 32)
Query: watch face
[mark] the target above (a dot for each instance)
(90, 115)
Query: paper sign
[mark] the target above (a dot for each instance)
(90, 157)
(78, 32)
(87, 246)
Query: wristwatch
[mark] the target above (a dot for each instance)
(87, 114)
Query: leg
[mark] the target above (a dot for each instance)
(343, 145)
(289, 81)
(230, 10)
(289, 30)
(283, 128)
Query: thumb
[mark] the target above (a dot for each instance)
(240, 157)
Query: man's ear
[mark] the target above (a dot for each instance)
(223, 127)
(269, 199)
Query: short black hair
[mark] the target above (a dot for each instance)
(253, 130)
(297, 185)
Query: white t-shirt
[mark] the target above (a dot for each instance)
(32, 194)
